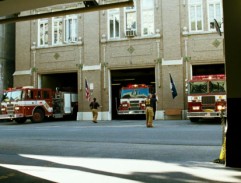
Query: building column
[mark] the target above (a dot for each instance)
(232, 39)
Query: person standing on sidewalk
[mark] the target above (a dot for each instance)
(94, 105)
(149, 112)
(153, 104)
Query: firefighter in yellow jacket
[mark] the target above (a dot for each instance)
(149, 112)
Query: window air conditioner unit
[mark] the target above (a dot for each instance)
(130, 33)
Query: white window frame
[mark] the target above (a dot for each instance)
(197, 6)
(216, 15)
(59, 28)
(129, 10)
(43, 39)
(151, 24)
(113, 15)
(71, 29)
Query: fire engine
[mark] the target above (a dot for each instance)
(24, 103)
(206, 97)
(132, 99)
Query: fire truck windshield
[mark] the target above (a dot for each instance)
(135, 93)
(12, 95)
(217, 86)
(198, 87)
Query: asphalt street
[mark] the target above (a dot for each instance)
(112, 151)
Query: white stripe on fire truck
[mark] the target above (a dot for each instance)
(36, 103)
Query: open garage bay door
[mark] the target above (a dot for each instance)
(64, 81)
(210, 69)
(121, 78)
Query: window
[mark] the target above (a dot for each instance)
(130, 15)
(214, 12)
(30, 94)
(71, 28)
(195, 15)
(46, 94)
(114, 23)
(57, 30)
(39, 94)
(198, 87)
(147, 17)
(217, 86)
(43, 32)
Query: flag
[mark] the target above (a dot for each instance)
(173, 87)
(87, 90)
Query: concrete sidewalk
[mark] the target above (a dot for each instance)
(89, 170)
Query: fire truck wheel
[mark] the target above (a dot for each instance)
(20, 120)
(38, 116)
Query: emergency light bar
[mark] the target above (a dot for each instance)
(208, 77)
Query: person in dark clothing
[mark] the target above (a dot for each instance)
(94, 105)
(153, 104)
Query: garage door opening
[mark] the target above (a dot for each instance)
(210, 69)
(64, 81)
(122, 78)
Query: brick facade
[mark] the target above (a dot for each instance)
(94, 56)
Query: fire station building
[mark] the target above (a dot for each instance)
(112, 48)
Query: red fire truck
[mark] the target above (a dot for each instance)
(132, 99)
(24, 103)
(206, 97)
